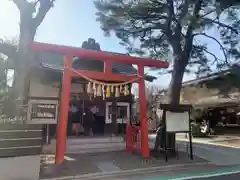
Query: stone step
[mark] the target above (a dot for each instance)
(93, 150)
(94, 146)
(89, 140)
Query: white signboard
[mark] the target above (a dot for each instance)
(177, 121)
(42, 112)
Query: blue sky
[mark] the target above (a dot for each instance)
(70, 22)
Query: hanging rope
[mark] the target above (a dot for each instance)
(106, 84)
(98, 88)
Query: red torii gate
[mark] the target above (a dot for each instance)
(107, 75)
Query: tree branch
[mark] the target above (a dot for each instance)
(173, 34)
(160, 39)
(171, 13)
(36, 3)
(221, 46)
(221, 24)
(189, 35)
(208, 52)
(209, 12)
(184, 11)
(148, 18)
(44, 7)
(21, 4)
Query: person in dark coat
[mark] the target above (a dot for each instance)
(88, 122)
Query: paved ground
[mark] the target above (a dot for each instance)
(107, 162)
(161, 173)
(222, 177)
(20, 168)
(221, 140)
(193, 172)
(219, 155)
(119, 165)
(231, 142)
(215, 154)
(221, 173)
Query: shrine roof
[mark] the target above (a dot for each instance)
(235, 69)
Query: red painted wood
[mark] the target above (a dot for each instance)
(143, 114)
(105, 77)
(129, 138)
(107, 67)
(63, 117)
(98, 55)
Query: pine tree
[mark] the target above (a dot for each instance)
(171, 29)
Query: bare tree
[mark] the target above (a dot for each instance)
(153, 94)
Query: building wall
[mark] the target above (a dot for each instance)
(43, 90)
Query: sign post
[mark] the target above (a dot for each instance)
(176, 119)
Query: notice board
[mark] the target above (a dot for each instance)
(177, 121)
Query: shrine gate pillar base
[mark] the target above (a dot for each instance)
(143, 114)
(63, 117)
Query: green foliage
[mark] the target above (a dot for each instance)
(173, 29)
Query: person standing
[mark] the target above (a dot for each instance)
(88, 122)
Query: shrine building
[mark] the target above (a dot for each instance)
(44, 92)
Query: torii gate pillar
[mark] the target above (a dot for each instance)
(143, 114)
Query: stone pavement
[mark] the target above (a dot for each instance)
(220, 140)
(221, 173)
(105, 158)
(216, 154)
(222, 177)
(20, 168)
(151, 173)
(110, 162)
(219, 155)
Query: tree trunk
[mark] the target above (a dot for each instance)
(174, 98)
(23, 64)
(176, 82)
(174, 92)
(31, 16)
